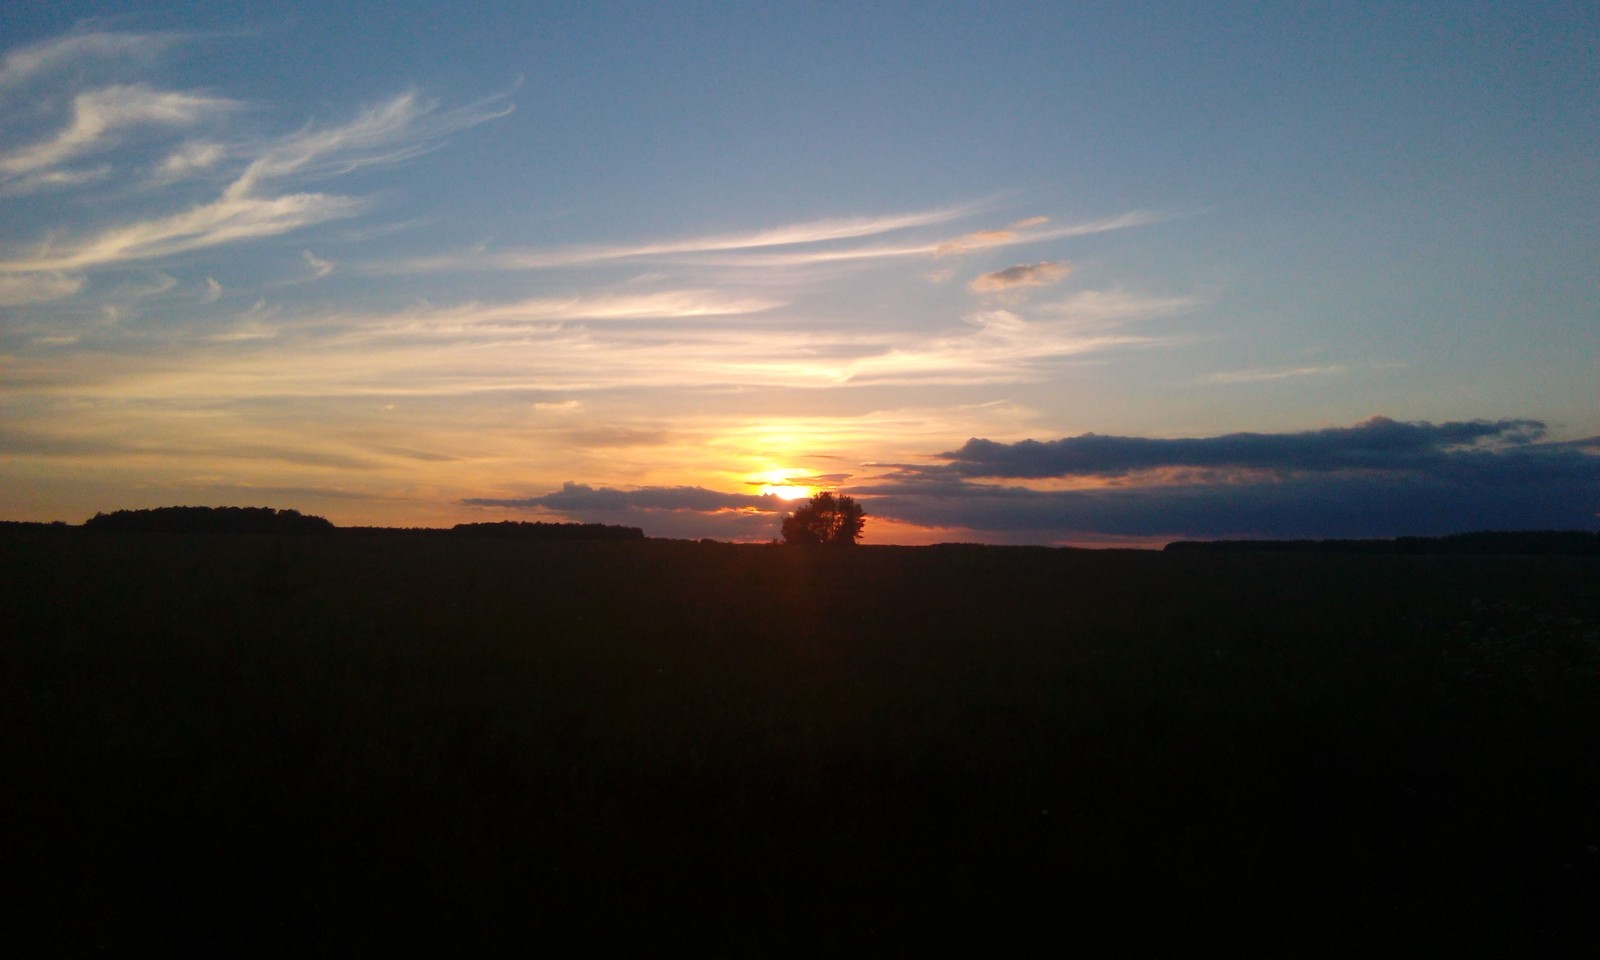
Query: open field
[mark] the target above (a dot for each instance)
(334, 744)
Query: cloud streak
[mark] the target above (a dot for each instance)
(798, 234)
(735, 250)
(1268, 376)
(1023, 232)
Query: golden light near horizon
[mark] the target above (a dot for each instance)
(788, 493)
(776, 482)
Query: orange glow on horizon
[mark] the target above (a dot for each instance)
(776, 482)
(787, 492)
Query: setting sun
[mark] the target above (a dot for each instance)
(788, 493)
(779, 484)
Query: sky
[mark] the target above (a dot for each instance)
(1050, 273)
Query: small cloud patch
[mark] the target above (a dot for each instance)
(1022, 275)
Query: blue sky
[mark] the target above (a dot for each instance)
(664, 264)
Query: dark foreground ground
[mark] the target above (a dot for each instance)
(335, 745)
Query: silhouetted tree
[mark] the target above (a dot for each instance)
(826, 519)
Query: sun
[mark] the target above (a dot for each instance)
(787, 493)
(776, 482)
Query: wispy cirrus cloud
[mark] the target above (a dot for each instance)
(98, 114)
(669, 339)
(583, 342)
(51, 56)
(1021, 232)
(754, 249)
(494, 319)
(37, 288)
(43, 180)
(254, 204)
(1265, 375)
(810, 232)
(1113, 306)
(189, 159)
(994, 346)
(237, 215)
(319, 267)
(1034, 230)
(979, 239)
(405, 126)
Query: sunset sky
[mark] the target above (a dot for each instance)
(1058, 273)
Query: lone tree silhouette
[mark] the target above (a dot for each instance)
(826, 519)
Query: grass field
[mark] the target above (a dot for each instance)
(233, 745)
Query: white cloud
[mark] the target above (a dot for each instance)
(213, 291)
(50, 56)
(37, 288)
(191, 158)
(98, 113)
(319, 268)
(51, 180)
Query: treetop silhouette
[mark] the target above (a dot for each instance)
(828, 518)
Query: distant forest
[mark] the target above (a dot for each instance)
(268, 520)
(208, 520)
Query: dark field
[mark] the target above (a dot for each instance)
(337, 745)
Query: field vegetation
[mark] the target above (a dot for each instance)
(240, 744)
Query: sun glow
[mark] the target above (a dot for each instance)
(788, 493)
(776, 482)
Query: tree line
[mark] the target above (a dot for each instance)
(1583, 543)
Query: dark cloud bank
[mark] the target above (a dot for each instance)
(690, 512)
(1381, 478)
